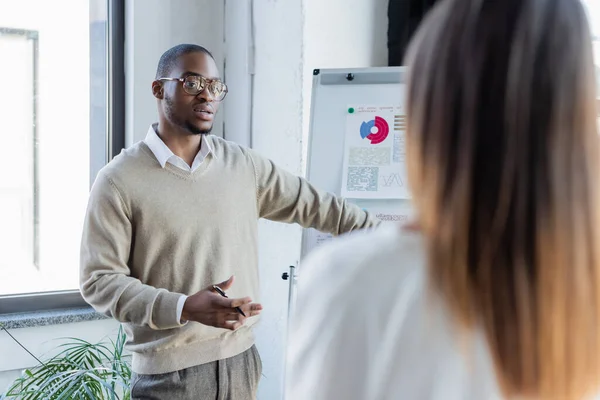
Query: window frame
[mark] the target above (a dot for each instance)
(115, 142)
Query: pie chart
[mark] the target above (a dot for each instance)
(377, 135)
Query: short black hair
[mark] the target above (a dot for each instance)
(169, 58)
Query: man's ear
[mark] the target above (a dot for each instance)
(158, 90)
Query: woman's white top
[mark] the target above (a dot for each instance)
(365, 327)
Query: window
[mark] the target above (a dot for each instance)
(593, 9)
(57, 130)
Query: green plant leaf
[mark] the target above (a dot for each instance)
(80, 370)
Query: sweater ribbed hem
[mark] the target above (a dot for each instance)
(185, 356)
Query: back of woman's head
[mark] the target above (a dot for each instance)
(503, 164)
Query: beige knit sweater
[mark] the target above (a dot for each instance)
(152, 234)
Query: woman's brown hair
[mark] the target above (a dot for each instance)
(503, 164)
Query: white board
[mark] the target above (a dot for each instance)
(337, 97)
(334, 92)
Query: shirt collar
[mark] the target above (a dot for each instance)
(162, 152)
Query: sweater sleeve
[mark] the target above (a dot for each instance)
(105, 278)
(284, 197)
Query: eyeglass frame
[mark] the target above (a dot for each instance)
(208, 82)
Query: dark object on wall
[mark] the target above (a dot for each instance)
(404, 17)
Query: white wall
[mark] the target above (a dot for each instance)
(42, 342)
(151, 28)
(292, 38)
(345, 33)
(239, 69)
(277, 134)
(290, 42)
(355, 38)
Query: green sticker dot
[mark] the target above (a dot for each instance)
(351, 110)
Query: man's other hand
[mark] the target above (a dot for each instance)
(210, 308)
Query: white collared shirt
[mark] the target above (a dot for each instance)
(164, 155)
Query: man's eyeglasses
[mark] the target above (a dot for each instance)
(195, 84)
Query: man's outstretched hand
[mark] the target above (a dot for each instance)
(210, 308)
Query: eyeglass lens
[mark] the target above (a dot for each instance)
(196, 84)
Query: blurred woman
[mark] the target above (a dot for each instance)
(494, 292)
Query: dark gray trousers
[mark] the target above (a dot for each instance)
(234, 378)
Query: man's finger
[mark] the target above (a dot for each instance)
(224, 302)
(239, 302)
(235, 316)
(225, 285)
(252, 309)
(232, 325)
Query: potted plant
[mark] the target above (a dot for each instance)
(80, 371)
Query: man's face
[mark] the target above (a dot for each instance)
(195, 114)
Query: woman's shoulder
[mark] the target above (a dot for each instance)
(355, 294)
(391, 251)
